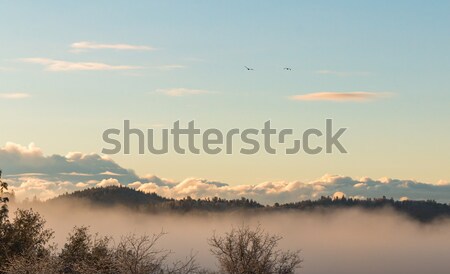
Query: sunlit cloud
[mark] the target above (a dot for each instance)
(292, 191)
(357, 96)
(59, 65)
(178, 92)
(31, 150)
(14, 95)
(108, 182)
(86, 45)
(81, 185)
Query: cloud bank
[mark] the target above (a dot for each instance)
(292, 191)
(32, 173)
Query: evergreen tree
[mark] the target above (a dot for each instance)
(3, 201)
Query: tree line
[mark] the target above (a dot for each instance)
(423, 211)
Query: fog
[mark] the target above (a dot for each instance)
(346, 241)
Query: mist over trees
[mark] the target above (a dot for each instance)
(26, 243)
(26, 248)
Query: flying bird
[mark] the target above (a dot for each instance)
(248, 68)
(287, 69)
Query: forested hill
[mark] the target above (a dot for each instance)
(113, 195)
(129, 197)
(424, 211)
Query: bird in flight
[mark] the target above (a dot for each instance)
(287, 69)
(248, 68)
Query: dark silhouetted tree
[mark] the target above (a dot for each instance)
(25, 245)
(83, 253)
(3, 200)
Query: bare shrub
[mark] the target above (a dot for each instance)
(140, 254)
(252, 251)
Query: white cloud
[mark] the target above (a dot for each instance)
(178, 92)
(75, 174)
(283, 191)
(30, 150)
(360, 185)
(108, 182)
(356, 96)
(135, 185)
(30, 187)
(14, 95)
(109, 173)
(86, 45)
(59, 65)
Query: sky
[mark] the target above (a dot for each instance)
(70, 70)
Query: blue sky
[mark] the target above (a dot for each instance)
(401, 48)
